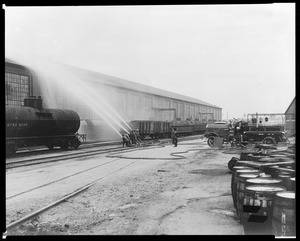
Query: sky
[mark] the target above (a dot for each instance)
(238, 57)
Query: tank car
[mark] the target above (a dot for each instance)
(28, 126)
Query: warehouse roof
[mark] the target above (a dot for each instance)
(7, 60)
(111, 80)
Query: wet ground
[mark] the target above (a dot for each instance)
(167, 190)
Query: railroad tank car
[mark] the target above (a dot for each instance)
(27, 126)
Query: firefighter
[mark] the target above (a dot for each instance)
(138, 138)
(132, 137)
(126, 140)
(175, 137)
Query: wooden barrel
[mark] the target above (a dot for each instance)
(232, 163)
(233, 180)
(234, 169)
(293, 184)
(242, 183)
(271, 170)
(247, 154)
(264, 175)
(284, 214)
(240, 186)
(278, 172)
(256, 216)
(265, 181)
(289, 183)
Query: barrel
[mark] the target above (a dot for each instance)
(242, 183)
(277, 172)
(284, 214)
(264, 175)
(240, 186)
(289, 183)
(272, 170)
(235, 168)
(265, 181)
(234, 162)
(293, 183)
(257, 213)
(233, 180)
(247, 154)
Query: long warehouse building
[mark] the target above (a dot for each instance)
(98, 98)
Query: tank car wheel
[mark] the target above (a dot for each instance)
(210, 141)
(50, 146)
(269, 140)
(11, 150)
(64, 145)
(76, 144)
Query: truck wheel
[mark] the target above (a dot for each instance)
(269, 140)
(210, 141)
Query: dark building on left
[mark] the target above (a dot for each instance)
(18, 83)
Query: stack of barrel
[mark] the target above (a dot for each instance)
(264, 195)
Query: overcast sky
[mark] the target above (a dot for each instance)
(238, 57)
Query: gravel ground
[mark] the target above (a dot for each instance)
(154, 197)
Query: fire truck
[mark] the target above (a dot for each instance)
(257, 128)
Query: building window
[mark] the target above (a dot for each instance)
(16, 89)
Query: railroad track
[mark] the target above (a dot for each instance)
(64, 197)
(65, 156)
(78, 190)
(80, 153)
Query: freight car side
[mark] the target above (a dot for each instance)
(149, 128)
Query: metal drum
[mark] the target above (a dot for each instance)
(256, 216)
(284, 214)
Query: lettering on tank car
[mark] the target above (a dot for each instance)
(20, 124)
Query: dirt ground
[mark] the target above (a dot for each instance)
(190, 196)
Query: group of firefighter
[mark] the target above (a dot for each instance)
(131, 139)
